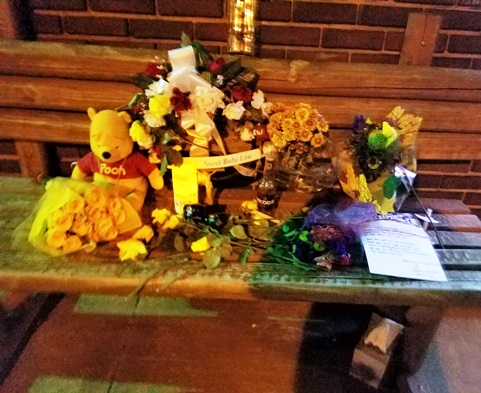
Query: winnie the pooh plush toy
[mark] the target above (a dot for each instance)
(112, 161)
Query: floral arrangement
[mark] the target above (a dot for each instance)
(367, 163)
(194, 94)
(74, 215)
(299, 134)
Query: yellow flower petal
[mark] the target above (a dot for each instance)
(200, 245)
(145, 233)
(171, 223)
(131, 249)
(159, 105)
(160, 216)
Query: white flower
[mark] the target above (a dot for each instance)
(220, 80)
(152, 120)
(258, 99)
(246, 134)
(159, 87)
(208, 98)
(234, 111)
(266, 108)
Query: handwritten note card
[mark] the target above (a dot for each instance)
(397, 246)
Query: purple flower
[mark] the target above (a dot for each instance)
(359, 124)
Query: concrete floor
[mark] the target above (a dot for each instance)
(118, 345)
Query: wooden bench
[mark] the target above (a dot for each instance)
(46, 88)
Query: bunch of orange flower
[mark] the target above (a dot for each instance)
(90, 218)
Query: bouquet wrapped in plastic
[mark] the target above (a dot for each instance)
(74, 215)
(375, 164)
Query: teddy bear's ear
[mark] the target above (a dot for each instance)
(125, 116)
(91, 112)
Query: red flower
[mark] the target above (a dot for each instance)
(241, 93)
(216, 65)
(261, 133)
(180, 101)
(153, 70)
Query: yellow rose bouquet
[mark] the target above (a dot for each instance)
(74, 215)
(376, 162)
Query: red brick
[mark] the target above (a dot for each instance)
(7, 147)
(470, 3)
(385, 16)
(461, 182)
(441, 43)
(95, 26)
(476, 64)
(464, 44)
(442, 166)
(129, 6)
(394, 41)
(459, 20)
(160, 29)
(324, 13)
(290, 35)
(377, 58)
(277, 10)
(317, 55)
(428, 181)
(207, 8)
(472, 198)
(211, 31)
(10, 166)
(476, 166)
(61, 5)
(47, 24)
(451, 62)
(440, 194)
(121, 43)
(272, 53)
(352, 39)
(433, 2)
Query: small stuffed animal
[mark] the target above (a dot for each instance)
(112, 161)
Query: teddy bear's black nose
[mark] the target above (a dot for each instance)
(106, 155)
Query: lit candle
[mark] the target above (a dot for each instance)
(186, 187)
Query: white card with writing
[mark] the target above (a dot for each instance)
(396, 245)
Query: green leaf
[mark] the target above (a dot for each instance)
(319, 246)
(143, 81)
(211, 258)
(173, 156)
(390, 186)
(185, 40)
(231, 69)
(303, 236)
(238, 232)
(245, 255)
(179, 243)
(163, 165)
(135, 99)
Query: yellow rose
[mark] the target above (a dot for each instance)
(131, 249)
(81, 226)
(96, 213)
(72, 244)
(55, 238)
(114, 205)
(200, 245)
(159, 105)
(61, 220)
(96, 196)
(145, 233)
(138, 134)
(106, 229)
(75, 205)
(119, 218)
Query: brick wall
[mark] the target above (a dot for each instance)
(339, 30)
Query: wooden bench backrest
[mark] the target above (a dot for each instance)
(46, 88)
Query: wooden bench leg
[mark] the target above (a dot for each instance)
(422, 323)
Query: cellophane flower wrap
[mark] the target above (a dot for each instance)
(366, 163)
(74, 215)
(299, 134)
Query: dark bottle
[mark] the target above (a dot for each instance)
(267, 189)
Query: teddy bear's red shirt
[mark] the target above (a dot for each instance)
(133, 166)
